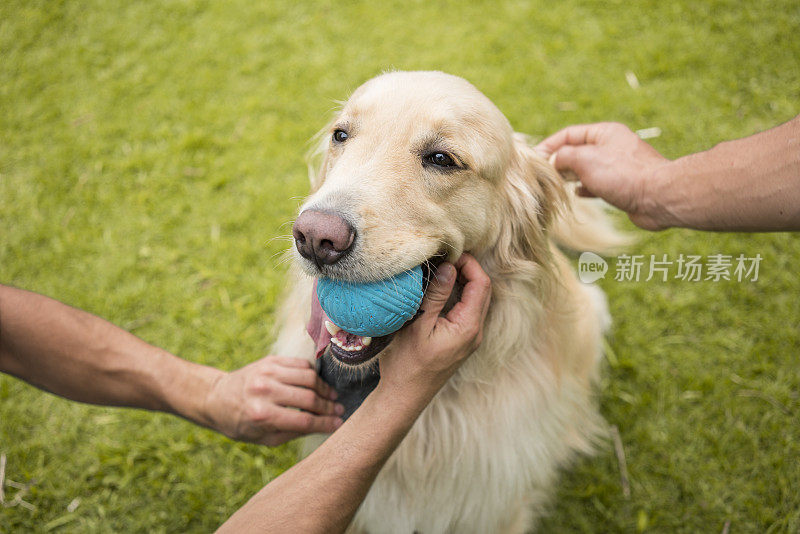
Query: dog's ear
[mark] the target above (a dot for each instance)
(541, 180)
(534, 197)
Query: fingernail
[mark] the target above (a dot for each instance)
(338, 423)
(339, 409)
(446, 273)
(333, 395)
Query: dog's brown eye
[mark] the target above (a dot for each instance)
(440, 159)
(340, 136)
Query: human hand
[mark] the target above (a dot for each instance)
(262, 402)
(425, 354)
(612, 163)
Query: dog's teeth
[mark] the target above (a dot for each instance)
(341, 344)
(332, 328)
(366, 341)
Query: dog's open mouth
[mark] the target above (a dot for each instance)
(352, 349)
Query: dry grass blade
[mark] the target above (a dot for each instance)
(2, 477)
(22, 489)
(763, 396)
(621, 461)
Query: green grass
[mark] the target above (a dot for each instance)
(151, 153)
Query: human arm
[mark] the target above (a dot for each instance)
(82, 357)
(750, 184)
(323, 491)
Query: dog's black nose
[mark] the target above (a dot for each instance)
(323, 237)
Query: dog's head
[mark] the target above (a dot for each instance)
(421, 165)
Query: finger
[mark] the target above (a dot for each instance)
(567, 174)
(436, 295)
(475, 296)
(306, 378)
(578, 134)
(289, 420)
(573, 161)
(305, 399)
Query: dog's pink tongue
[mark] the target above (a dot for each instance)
(316, 325)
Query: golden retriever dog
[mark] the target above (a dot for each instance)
(420, 166)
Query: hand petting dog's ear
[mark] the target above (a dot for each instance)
(611, 162)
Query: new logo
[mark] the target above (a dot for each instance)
(591, 267)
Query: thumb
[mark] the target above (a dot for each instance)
(437, 294)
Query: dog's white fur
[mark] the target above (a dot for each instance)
(484, 455)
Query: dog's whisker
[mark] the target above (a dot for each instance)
(445, 243)
(284, 257)
(283, 237)
(282, 253)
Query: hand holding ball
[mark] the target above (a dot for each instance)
(375, 308)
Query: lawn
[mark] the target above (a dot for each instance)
(152, 157)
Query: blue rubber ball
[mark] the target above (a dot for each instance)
(375, 308)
